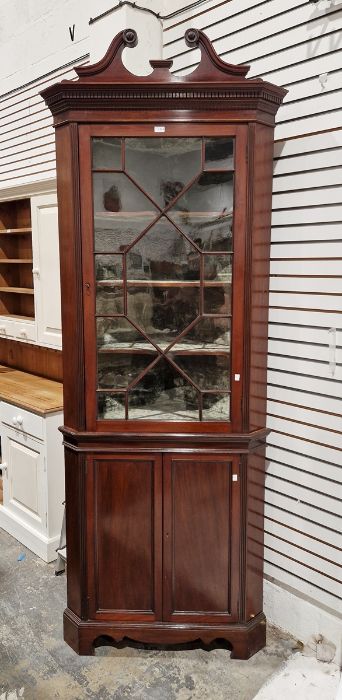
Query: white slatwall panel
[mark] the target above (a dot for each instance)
(27, 139)
(291, 42)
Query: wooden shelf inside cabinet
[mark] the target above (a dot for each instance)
(161, 283)
(15, 261)
(17, 290)
(142, 214)
(178, 349)
(15, 231)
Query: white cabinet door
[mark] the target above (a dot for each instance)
(23, 483)
(46, 270)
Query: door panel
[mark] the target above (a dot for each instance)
(199, 544)
(125, 537)
(23, 489)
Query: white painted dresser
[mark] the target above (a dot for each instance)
(31, 410)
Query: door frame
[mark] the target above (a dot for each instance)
(181, 129)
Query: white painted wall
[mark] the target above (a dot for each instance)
(35, 39)
(36, 50)
(292, 42)
(148, 27)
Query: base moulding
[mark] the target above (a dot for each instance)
(85, 635)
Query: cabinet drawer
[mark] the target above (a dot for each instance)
(23, 421)
(25, 330)
(7, 327)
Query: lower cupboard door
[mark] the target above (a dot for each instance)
(201, 536)
(124, 535)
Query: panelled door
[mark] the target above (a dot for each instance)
(24, 492)
(164, 528)
(124, 531)
(201, 545)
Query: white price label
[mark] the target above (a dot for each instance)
(159, 129)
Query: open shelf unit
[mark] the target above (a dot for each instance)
(16, 277)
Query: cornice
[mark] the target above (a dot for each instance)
(214, 85)
(119, 97)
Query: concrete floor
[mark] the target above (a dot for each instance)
(35, 663)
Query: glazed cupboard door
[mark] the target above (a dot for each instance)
(201, 538)
(124, 535)
(163, 273)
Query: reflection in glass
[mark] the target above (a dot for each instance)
(121, 212)
(118, 333)
(163, 394)
(217, 299)
(204, 212)
(163, 166)
(216, 407)
(163, 254)
(206, 371)
(108, 267)
(116, 370)
(110, 406)
(109, 299)
(106, 153)
(206, 334)
(162, 311)
(218, 268)
(219, 153)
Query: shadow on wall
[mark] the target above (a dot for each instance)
(326, 11)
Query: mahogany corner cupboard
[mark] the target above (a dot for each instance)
(164, 195)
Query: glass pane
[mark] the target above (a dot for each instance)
(205, 211)
(206, 334)
(163, 254)
(110, 406)
(218, 268)
(219, 153)
(118, 333)
(163, 394)
(109, 299)
(150, 259)
(206, 371)
(108, 267)
(121, 212)
(216, 407)
(116, 370)
(217, 299)
(162, 311)
(107, 153)
(163, 166)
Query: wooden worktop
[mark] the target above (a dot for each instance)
(30, 392)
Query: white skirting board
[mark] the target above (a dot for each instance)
(44, 547)
(301, 617)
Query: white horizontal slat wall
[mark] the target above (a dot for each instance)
(27, 139)
(292, 42)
